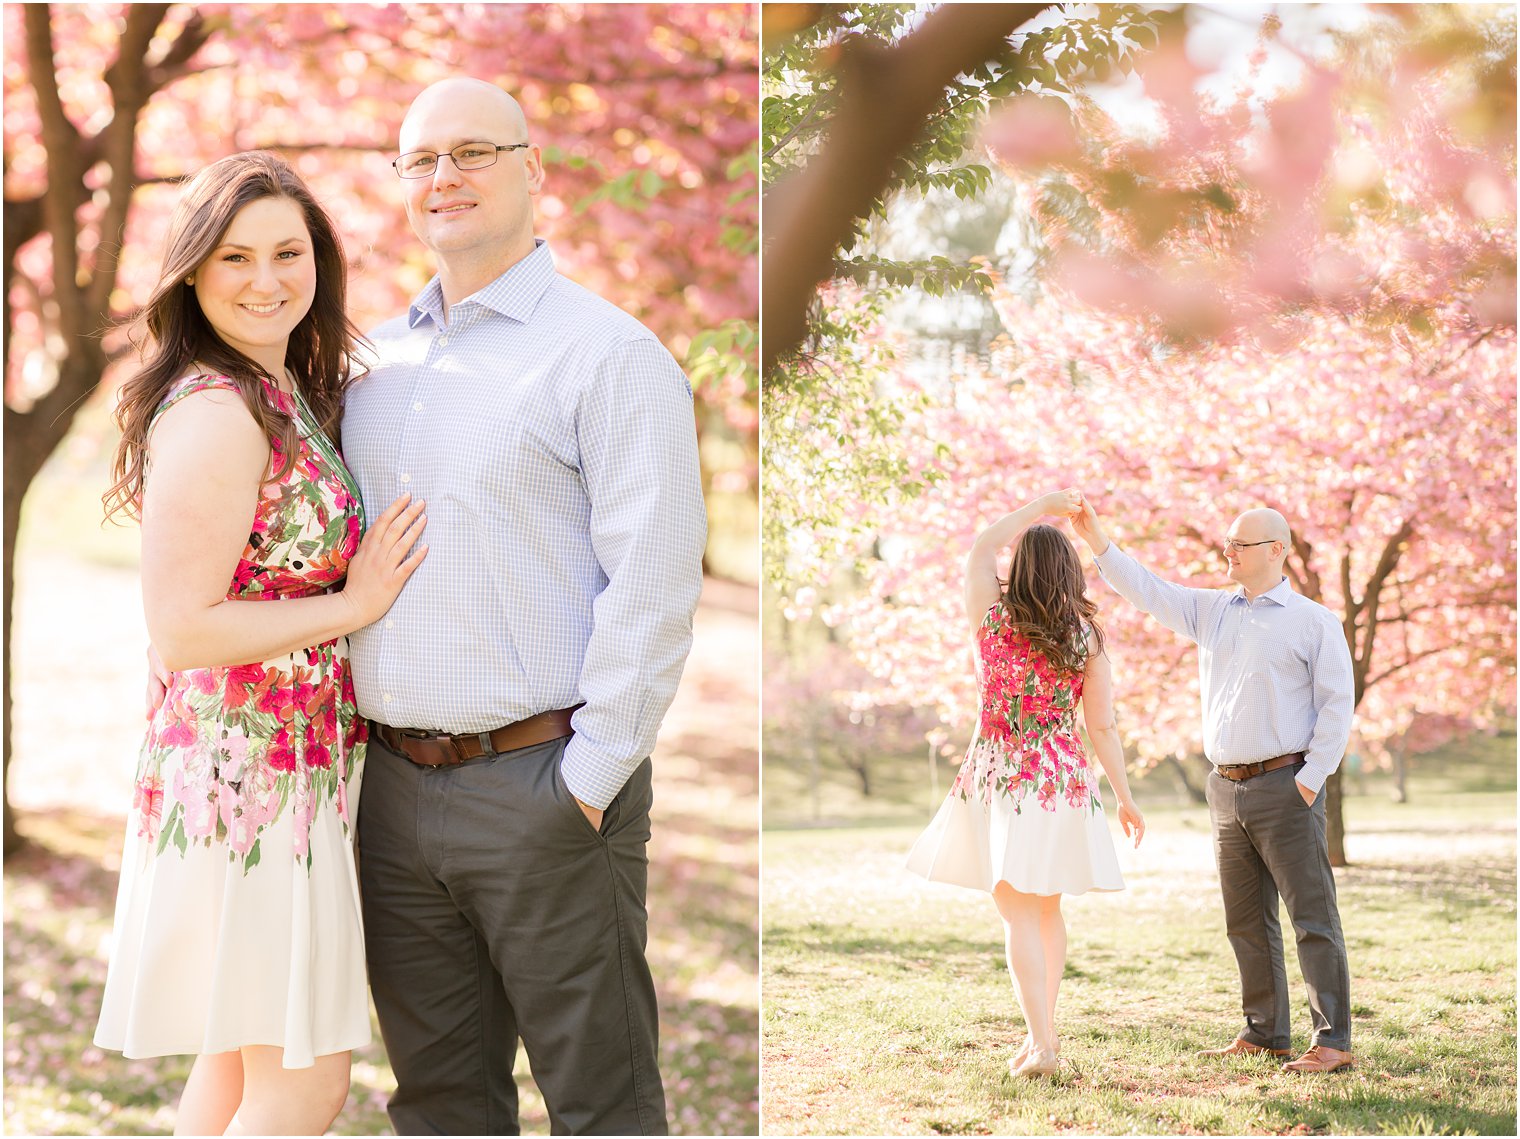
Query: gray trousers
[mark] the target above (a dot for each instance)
(492, 911)
(1268, 841)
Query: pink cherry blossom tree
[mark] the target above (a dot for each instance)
(1305, 302)
(1391, 457)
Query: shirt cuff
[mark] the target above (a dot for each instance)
(1312, 777)
(593, 778)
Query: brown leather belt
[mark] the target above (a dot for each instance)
(1240, 771)
(428, 749)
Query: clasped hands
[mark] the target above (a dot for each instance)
(1072, 503)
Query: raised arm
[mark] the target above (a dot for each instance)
(982, 588)
(209, 458)
(1178, 607)
(1103, 731)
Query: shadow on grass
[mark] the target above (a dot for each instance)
(1478, 880)
(938, 952)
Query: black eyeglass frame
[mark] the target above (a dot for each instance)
(1232, 544)
(396, 162)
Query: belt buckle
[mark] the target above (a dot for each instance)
(415, 733)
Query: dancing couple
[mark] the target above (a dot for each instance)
(1024, 820)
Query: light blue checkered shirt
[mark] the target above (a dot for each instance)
(552, 437)
(1275, 671)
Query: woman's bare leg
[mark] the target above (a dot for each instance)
(289, 1101)
(1025, 955)
(1053, 940)
(212, 1094)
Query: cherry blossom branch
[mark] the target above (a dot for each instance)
(887, 94)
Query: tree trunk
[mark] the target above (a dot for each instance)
(15, 490)
(1400, 773)
(1195, 792)
(1335, 827)
(858, 763)
(30, 437)
(27, 447)
(815, 773)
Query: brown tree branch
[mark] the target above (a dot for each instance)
(61, 138)
(174, 64)
(886, 96)
(1406, 663)
(127, 80)
(1393, 549)
(1311, 583)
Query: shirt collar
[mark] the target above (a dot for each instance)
(1278, 594)
(514, 294)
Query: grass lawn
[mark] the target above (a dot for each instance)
(888, 1009)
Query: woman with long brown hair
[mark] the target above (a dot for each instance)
(1024, 818)
(237, 934)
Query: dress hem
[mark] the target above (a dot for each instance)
(159, 1052)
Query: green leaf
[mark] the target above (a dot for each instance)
(166, 830)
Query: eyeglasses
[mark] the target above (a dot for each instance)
(466, 156)
(1231, 544)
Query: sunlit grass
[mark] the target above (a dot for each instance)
(888, 1009)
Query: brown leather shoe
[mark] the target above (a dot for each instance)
(1320, 1059)
(1242, 1048)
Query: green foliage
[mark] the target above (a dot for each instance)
(829, 442)
(744, 172)
(722, 354)
(801, 93)
(934, 275)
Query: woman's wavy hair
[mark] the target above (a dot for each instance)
(175, 338)
(1046, 599)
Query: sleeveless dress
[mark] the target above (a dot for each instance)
(1025, 806)
(237, 914)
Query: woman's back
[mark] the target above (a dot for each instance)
(1024, 697)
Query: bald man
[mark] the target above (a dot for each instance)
(1277, 697)
(514, 692)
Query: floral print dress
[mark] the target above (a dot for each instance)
(237, 914)
(1025, 807)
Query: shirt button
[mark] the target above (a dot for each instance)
(406, 478)
(416, 407)
(386, 698)
(388, 624)
(443, 342)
